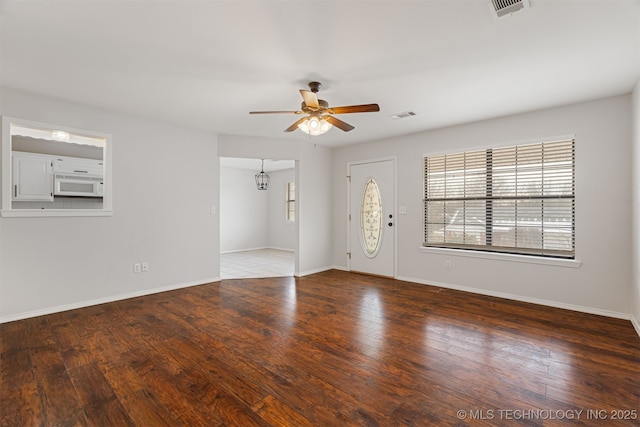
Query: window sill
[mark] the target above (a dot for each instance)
(30, 213)
(528, 259)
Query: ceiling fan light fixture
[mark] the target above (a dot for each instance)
(319, 116)
(315, 126)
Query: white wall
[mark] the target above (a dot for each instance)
(252, 219)
(281, 233)
(635, 294)
(315, 198)
(243, 211)
(248, 147)
(165, 179)
(603, 209)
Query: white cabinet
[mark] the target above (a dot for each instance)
(32, 177)
(78, 167)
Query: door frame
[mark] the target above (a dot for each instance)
(394, 161)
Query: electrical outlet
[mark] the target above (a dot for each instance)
(447, 264)
(137, 268)
(145, 266)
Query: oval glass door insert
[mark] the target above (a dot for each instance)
(371, 218)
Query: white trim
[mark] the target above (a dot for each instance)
(245, 250)
(548, 303)
(30, 213)
(339, 267)
(258, 249)
(314, 271)
(348, 217)
(394, 161)
(636, 325)
(281, 249)
(530, 259)
(88, 303)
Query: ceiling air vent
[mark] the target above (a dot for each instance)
(507, 7)
(402, 115)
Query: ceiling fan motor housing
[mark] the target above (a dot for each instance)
(315, 86)
(322, 106)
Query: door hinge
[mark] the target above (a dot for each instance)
(349, 178)
(349, 217)
(349, 255)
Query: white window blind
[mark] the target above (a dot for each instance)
(290, 201)
(515, 199)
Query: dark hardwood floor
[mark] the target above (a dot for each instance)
(331, 349)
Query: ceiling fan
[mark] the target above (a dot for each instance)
(319, 116)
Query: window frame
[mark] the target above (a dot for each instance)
(6, 206)
(290, 203)
(485, 248)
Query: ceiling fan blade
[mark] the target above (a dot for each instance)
(295, 125)
(310, 99)
(364, 108)
(275, 112)
(339, 123)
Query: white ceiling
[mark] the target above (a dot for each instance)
(206, 64)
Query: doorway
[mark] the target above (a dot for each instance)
(372, 217)
(258, 233)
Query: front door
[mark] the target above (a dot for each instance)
(372, 217)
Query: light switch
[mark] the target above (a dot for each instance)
(402, 210)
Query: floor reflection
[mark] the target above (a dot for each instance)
(371, 324)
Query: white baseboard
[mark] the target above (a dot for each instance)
(280, 249)
(314, 271)
(556, 304)
(636, 324)
(257, 249)
(88, 303)
(243, 250)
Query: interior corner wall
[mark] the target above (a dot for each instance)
(243, 211)
(165, 181)
(315, 198)
(601, 284)
(635, 253)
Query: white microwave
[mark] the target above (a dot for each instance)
(74, 185)
(78, 177)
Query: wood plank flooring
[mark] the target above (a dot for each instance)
(331, 349)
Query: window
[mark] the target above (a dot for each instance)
(290, 198)
(515, 199)
(371, 218)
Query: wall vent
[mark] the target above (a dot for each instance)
(507, 7)
(402, 115)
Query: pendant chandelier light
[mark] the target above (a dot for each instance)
(262, 179)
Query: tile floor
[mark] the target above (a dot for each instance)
(256, 263)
